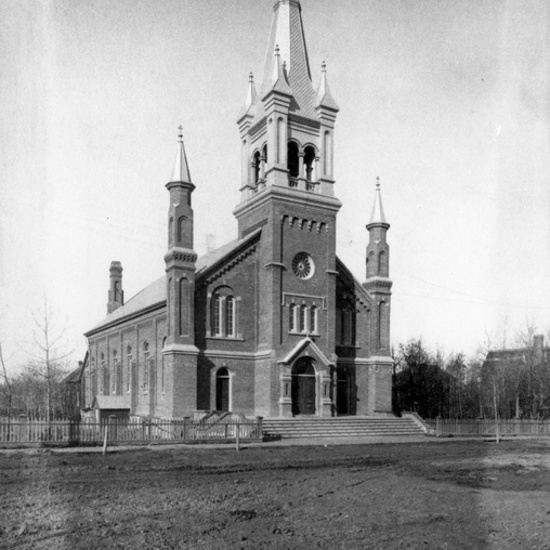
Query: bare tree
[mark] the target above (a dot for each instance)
(50, 362)
(6, 384)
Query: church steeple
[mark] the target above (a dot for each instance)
(287, 129)
(378, 282)
(180, 258)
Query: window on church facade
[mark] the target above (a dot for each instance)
(292, 323)
(115, 373)
(129, 359)
(313, 320)
(230, 316)
(345, 324)
(162, 367)
(145, 366)
(223, 314)
(303, 319)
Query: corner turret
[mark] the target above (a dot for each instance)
(378, 283)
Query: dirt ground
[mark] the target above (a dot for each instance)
(465, 495)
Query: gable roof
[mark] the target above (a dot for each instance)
(153, 296)
(361, 293)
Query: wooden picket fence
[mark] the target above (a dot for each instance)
(488, 426)
(131, 431)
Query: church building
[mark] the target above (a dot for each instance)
(271, 324)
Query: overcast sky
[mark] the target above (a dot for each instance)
(447, 101)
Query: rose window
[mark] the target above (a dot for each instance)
(303, 265)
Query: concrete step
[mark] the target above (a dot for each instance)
(339, 427)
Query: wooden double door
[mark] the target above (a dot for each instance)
(303, 387)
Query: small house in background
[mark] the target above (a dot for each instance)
(73, 392)
(106, 406)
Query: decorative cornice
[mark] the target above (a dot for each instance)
(224, 268)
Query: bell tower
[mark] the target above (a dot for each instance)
(180, 352)
(287, 129)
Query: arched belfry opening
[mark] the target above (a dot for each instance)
(303, 391)
(222, 390)
(293, 159)
(257, 167)
(309, 163)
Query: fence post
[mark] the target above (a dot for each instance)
(260, 427)
(237, 437)
(438, 426)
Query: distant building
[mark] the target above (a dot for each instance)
(523, 376)
(272, 323)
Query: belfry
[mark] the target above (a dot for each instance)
(271, 324)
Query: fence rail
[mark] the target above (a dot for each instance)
(483, 426)
(128, 431)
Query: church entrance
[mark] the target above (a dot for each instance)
(303, 387)
(343, 393)
(222, 390)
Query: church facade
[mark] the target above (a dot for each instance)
(271, 324)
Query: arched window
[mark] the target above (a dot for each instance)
(309, 163)
(145, 366)
(230, 316)
(293, 161)
(129, 359)
(216, 315)
(222, 390)
(292, 321)
(223, 313)
(171, 231)
(105, 375)
(303, 319)
(93, 379)
(162, 366)
(347, 324)
(116, 382)
(313, 319)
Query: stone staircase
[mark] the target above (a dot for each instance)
(342, 426)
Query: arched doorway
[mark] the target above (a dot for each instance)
(343, 393)
(303, 387)
(222, 390)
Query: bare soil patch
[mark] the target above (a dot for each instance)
(429, 495)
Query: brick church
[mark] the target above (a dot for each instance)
(273, 323)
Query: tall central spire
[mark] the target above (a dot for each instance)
(287, 32)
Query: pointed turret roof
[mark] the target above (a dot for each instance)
(377, 214)
(181, 168)
(324, 97)
(251, 95)
(288, 33)
(279, 81)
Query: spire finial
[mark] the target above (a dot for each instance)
(324, 67)
(180, 133)
(277, 50)
(251, 77)
(378, 183)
